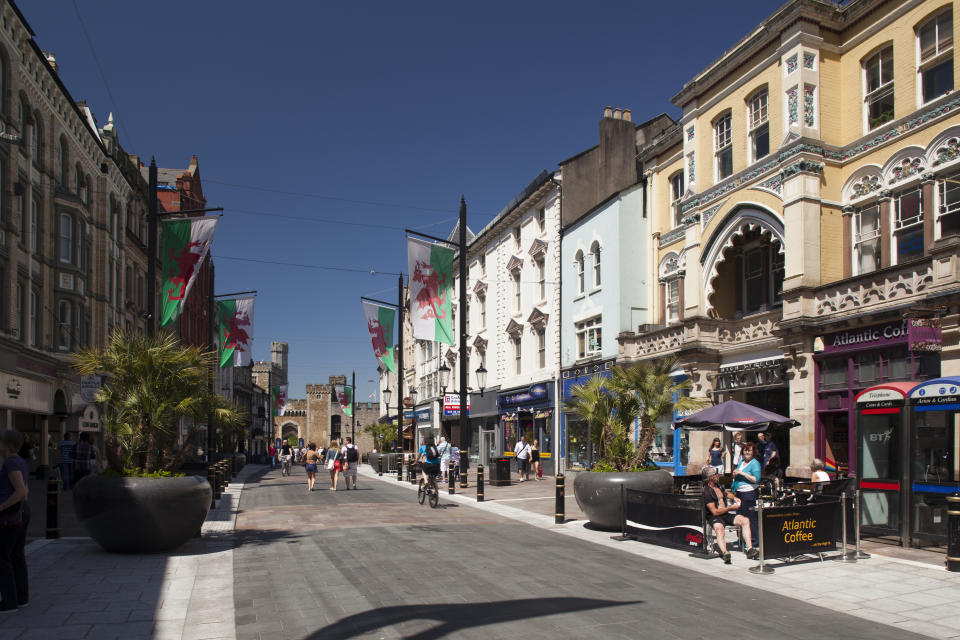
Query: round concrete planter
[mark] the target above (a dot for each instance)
(141, 515)
(598, 493)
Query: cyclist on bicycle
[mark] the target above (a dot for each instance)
(429, 457)
(286, 455)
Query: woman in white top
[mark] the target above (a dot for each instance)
(818, 475)
(737, 447)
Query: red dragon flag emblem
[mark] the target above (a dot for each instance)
(380, 321)
(235, 327)
(184, 244)
(431, 290)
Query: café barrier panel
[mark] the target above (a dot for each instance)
(666, 519)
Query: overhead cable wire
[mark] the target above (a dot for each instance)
(372, 272)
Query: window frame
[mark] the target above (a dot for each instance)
(583, 330)
(34, 319)
(517, 291)
(883, 90)
(541, 269)
(722, 144)
(868, 238)
(542, 218)
(580, 266)
(677, 189)
(757, 123)
(518, 354)
(911, 226)
(66, 240)
(595, 250)
(944, 210)
(542, 347)
(671, 302)
(938, 58)
(35, 225)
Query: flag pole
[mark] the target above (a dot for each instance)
(464, 419)
(353, 409)
(400, 367)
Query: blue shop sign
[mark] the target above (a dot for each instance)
(534, 394)
(423, 415)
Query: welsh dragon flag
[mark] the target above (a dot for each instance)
(183, 246)
(380, 321)
(345, 398)
(431, 290)
(278, 399)
(235, 328)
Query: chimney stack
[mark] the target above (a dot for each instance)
(608, 112)
(626, 115)
(52, 60)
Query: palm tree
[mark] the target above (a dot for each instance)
(608, 415)
(658, 395)
(151, 383)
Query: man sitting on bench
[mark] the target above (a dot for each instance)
(719, 515)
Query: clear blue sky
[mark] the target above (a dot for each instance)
(404, 106)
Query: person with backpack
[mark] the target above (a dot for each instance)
(351, 459)
(522, 452)
(429, 457)
(334, 462)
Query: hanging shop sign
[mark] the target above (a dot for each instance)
(89, 386)
(451, 404)
(422, 415)
(534, 394)
(924, 334)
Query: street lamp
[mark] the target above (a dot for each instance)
(387, 394)
(481, 378)
(413, 397)
(444, 376)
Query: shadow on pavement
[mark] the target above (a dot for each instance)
(456, 617)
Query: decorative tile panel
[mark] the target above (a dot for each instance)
(792, 63)
(691, 169)
(808, 60)
(949, 151)
(865, 185)
(672, 236)
(690, 132)
(909, 167)
(773, 185)
(710, 213)
(809, 93)
(792, 106)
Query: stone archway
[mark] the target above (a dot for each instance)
(288, 429)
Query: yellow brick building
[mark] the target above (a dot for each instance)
(807, 201)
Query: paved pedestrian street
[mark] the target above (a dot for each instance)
(277, 562)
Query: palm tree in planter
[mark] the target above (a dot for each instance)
(658, 395)
(608, 414)
(151, 383)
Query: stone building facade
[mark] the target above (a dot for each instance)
(318, 418)
(808, 195)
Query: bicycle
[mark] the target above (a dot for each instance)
(285, 467)
(429, 490)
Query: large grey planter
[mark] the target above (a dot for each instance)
(598, 493)
(141, 515)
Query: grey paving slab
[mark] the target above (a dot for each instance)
(373, 563)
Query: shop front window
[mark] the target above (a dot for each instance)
(833, 373)
(580, 453)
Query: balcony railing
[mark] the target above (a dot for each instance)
(702, 333)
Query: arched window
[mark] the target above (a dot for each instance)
(878, 87)
(62, 162)
(580, 274)
(595, 253)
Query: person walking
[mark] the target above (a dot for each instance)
(716, 456)
(272, 452)
(535, 460)
(333, 463)
(351, 459)
(14, 519)
(66, 448)
(522, 452)
(310, 461)
(444, 448)
(85, 461)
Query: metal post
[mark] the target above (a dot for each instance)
(353, 409)
(860, 554)
(218, 476)
(846, 557)
(623, 517)
(412, 469)
(479, 483)
(464, 462)
(211, 429)
(212, 479)
(953, 533)
(152, 223)
(53, 507)
(761, 568)
(560, 516)
(462, 312)
(380, 464)
(451, 483)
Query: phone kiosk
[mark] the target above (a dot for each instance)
(934, 463)
(882, 458)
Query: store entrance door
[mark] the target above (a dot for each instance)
(836, 436)
(488, 446)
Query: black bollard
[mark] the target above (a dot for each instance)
(953, 532)
(479, 483)
(380, 464)
(220, 484)
(400, 459)
(560, 516)
(412, 470)
(228, 467)
(212, 479)
(53, 507)
(464, 465)
(451, 481)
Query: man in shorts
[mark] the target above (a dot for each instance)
(429, 459)
(351, 458)
(522, 452)
(720, 516)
